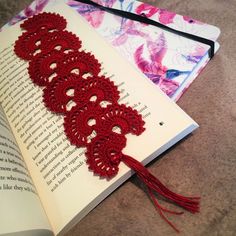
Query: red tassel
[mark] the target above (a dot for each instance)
(155, 186)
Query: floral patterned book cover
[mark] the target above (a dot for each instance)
(171, 62)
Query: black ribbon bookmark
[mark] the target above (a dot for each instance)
(143, 19)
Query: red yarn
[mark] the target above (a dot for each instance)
(45, 20)
(56, 94)
(43, 67)
(189, 203)
(79, 62)
(89, 102)
(61, 41)
(125, 118)
(76, 123)
(104, 154)
(98, 89)
(28, 44)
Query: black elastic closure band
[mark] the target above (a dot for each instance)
(143, 19)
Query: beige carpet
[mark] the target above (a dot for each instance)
(204, 163)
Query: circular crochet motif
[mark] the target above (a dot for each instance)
(121, 117)
(80, 123)
(104, 154)
(80, 63)
(44, 67)
(98, 89)
(61, 41)
(29, 44)
(60, 91)
(45, 20)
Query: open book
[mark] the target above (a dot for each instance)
(45, 184)
(171, 62)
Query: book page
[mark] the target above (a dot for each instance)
(21, 208)
(67, 189)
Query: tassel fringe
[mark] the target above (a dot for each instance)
(191, 204)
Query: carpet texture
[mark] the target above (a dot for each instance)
(202, 164)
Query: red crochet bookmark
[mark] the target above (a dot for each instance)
(73, 88)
